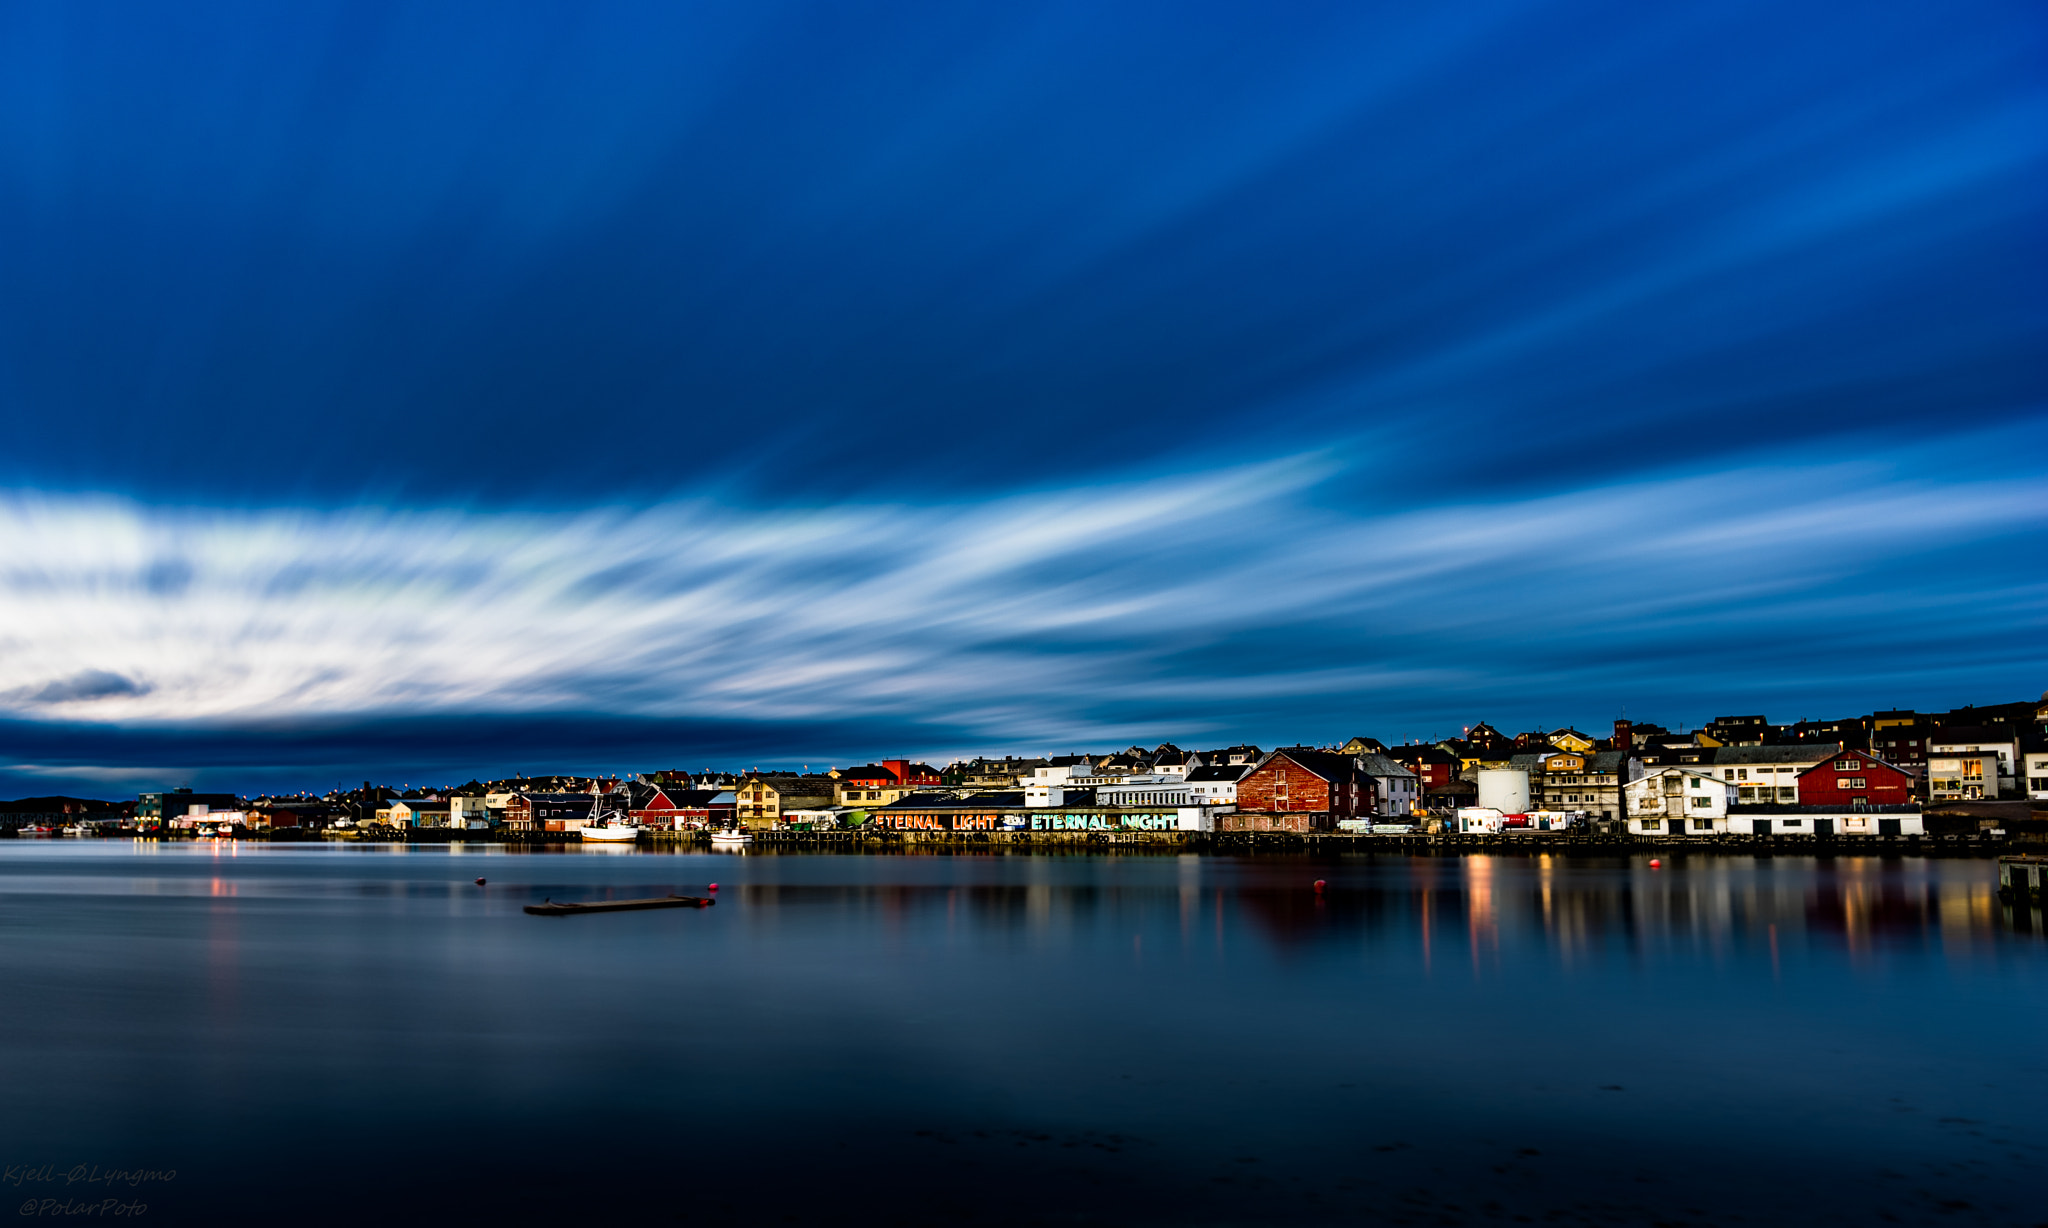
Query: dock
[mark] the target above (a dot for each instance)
(550, 908)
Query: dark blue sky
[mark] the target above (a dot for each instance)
(832, 377)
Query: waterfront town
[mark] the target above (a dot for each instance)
(1887, 774)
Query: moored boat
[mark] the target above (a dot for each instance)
(732, 836)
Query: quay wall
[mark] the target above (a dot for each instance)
(1235, 842)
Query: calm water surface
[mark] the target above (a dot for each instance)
(333, 1034)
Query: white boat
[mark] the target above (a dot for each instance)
(610, 833)
(731, 836)
(607, 825)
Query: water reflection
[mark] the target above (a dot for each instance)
(1483, 909)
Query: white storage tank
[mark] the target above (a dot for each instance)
(1504, 789)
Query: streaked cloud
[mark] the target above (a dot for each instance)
(1237, 602)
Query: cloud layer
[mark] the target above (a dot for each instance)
(1242, 602)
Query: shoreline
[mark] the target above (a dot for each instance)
(1180, 843)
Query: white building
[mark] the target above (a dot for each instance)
(1837, 823)
(1216, 785)
(1674, 801)
(1398, 788)
(1146, 790)
(2037, 776)
(1060, 771)
(1972, 764)
(1765, 774)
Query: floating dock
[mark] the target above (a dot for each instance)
(550, 908)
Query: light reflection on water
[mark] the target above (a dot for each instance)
(1393, 1044)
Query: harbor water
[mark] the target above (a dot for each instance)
(229, 1032)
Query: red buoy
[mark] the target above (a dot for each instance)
(1655, 864)
(479, 882)
(1319, 886)
(713, 887)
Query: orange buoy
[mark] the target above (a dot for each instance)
(1655, 864)
(479, 882)
(1319, 886)
(713, 887)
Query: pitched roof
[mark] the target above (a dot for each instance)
(1326, 764)
(1978, 734)
(1797, 752)
(869, 772)
(1219, 772)
(1381, 765)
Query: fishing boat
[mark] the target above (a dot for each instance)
(608, 825)
(610, 833)
(36, 829)
(549, 908)
(731, 836)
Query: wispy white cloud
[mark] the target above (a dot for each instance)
(1064, 611)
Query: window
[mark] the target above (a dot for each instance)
(1845, 765)
(1702, 801)
(1653, 824)
(1788, 795)
(1703, 824)
(1852, 782)
(1793, 822)
(1742, 773)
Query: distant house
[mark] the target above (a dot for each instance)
(1769, 773)
(1571, 740)
(418, 812)
(2036, 758)
(988, 773)
(1672, 801)
(1363, 745)
(1058, 770)
(1302, 790)
(1854, 780)
(1573, 780)
(1486, 742)
(1902, 744)
(1740, 730)
(1396, 790)
(1233, 755)
(1171, 760)
(764, 796)
(1996, 748)
(152, 809)
(1434, 767)
(871, 785)
(1215, 785)
(547, 811)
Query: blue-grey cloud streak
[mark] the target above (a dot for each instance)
(1206, 607)
(916, 376)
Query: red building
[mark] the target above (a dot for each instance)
(1302, 790)
(1853, 780)
(914, 775)
(1434, 767)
